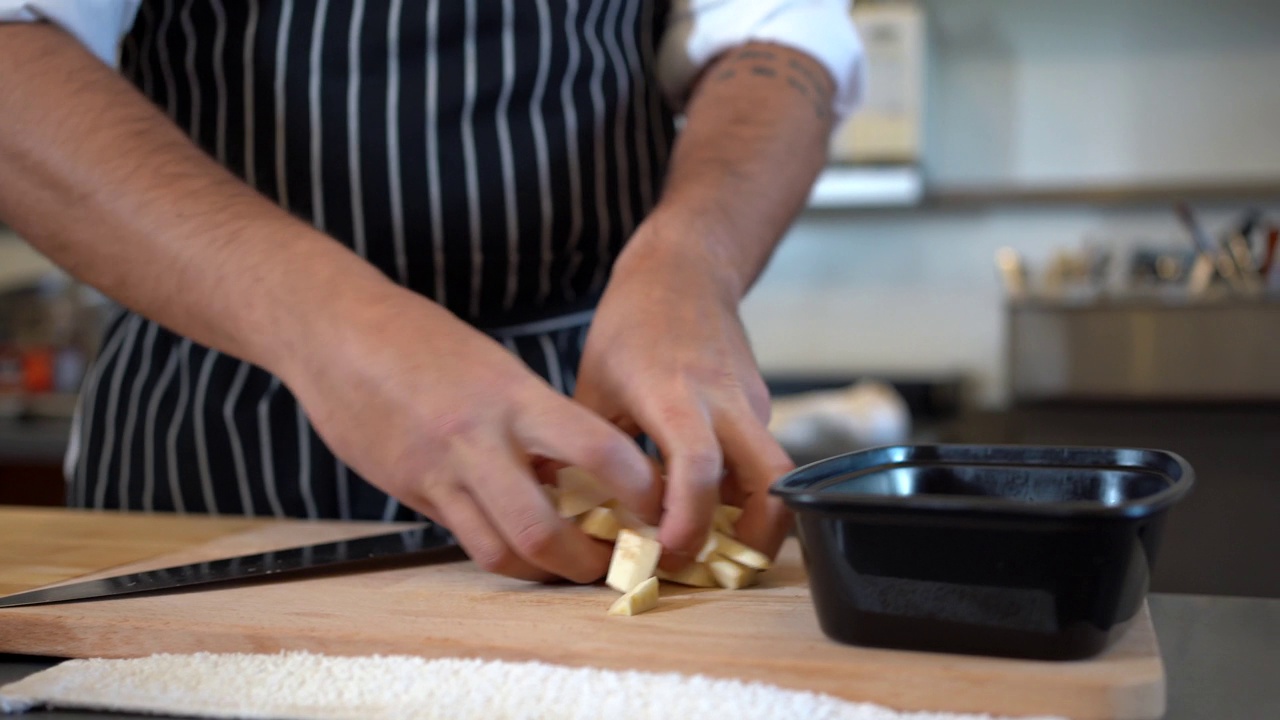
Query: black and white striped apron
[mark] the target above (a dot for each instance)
(493, 155)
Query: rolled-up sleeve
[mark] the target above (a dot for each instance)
(698, 31)
(98, 24)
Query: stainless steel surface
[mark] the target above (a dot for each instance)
(423, 544)
(1220, 655)
(1145, 349)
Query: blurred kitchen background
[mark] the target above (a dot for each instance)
(1049, 223)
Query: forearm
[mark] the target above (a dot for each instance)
(108, 188)
(755, 138)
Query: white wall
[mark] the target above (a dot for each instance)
(1065, 91)
(1026, 93)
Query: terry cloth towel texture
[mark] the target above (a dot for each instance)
(304, 686)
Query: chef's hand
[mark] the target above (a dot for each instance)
(455, 426)
(667, 356)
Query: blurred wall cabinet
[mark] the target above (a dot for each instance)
(876, 153)
(886, 128)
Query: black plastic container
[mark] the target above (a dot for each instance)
(1021, 551)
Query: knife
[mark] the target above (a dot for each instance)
(425, 544)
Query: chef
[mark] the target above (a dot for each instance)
(390, 259)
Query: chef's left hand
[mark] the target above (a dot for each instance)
(667, 356)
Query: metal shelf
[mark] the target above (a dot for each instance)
(902, 187)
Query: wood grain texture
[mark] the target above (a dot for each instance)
(41, 546)
(768, 633)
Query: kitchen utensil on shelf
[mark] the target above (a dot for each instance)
(1013, 272)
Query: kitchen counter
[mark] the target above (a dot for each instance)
(1223, 539)
(1220, 656)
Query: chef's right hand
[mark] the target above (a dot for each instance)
(453, 425)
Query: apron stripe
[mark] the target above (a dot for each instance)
(342, 485)
(233, 432)
(657, 125)
(175, 425)
(433, 151)
(149, 430)
(127, 447)
(507, 155)
(201, 438)
(166, 69)
(621, 147)
(572, 151)
(469, 157)
(121, 361)
(220, 80)
(554, 374)
(313, 108)
(639, 106)
(145, 74)
(356, 199)
(264, 446)
(91, 420)
(189, 32)
(390, 510)
(304, 463)
(599, 165)
(540, 150)
(250, 40)
(393, 141)
(282, 122)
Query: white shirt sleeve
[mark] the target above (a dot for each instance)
(699, 30)
(98, 24)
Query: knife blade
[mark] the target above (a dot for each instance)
(428, 543)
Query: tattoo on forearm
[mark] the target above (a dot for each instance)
(810, 84)
(812, 77)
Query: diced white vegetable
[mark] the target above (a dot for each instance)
(731, 575)
(726, 517)
(708, 547)
(694, 575)
(635, 558)
(641, 598)
(740, 553)
(599, 522)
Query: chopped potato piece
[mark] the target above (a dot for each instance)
(731, 575)
(726, 517)
(694, 574)
(708, 547)
(599, 522)
(740, 553)
(641, 598)
(635, 558)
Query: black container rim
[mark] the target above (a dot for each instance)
(795, 488)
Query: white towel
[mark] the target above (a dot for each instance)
(307, 686)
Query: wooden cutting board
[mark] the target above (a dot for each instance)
(768, 633)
